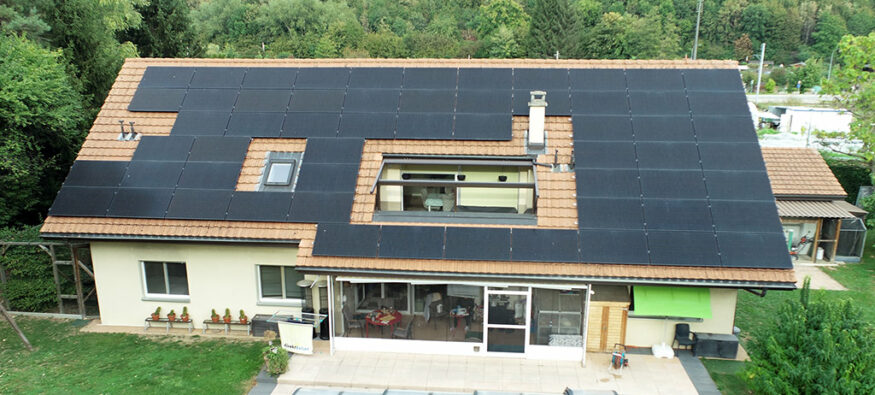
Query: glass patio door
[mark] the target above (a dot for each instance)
(507, 319)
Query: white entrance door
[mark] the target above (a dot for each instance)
(507, 319)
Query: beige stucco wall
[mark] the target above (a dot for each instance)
(642, 332)
(219, 276)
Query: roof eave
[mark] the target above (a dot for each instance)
(105, 237)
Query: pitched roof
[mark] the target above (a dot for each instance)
(654, 140)
(800, 172)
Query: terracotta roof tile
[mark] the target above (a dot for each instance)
(800, 172)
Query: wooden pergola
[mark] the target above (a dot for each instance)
(52, 249)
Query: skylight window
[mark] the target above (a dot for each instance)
(280, 172)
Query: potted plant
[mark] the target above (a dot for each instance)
(214, 316)
(227, 316)
(184, 317)
(171, 316)
(243, 318)
(157, 314)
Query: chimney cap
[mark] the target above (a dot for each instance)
(538, 99)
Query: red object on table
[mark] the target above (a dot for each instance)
(458, 314)
(382, 318)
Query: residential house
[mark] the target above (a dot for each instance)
(536, 208)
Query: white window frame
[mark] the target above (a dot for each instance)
(276, 161)
(283, 301)
(165, 296)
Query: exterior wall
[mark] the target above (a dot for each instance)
(219, 276)
(645, 332)
(800, 227)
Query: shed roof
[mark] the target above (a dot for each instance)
(800, 172)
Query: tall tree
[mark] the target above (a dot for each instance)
(166, 31)
(553, 29)
(827, 33)
(41, 120)
(743, 47)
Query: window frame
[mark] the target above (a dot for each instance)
(164, 296)
(282, 301)
(269, 169)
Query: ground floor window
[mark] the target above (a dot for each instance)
(279, 283)
(557, 317)
(165, 278)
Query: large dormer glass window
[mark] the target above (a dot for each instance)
(501, 190)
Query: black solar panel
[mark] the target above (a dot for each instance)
(199, 204)
(558, 102)
(346, 240)
(166, 77)
(739, 185)
(140, 203)
(210, 99)
(718, 103)
(434, 126)
(540, 79)
(484, 101)
(609, 213)
(157, 100)
(322, 78)
(328, 177)
(712, 80)
(604, 154)
(654, 80)
(731, 156)
(599, 103)
(218, 77)
(152, 174)
(597, 79)
(163, 148)
(270, 78)
(659, 128)
(96, 173)
(200, 123)
(210, 175)
(82, 201)
(544, 245)
(375, 77)
(368, 125)
(724, 128)
(320, 150)
(219, 149)
(489, 79)
(598, 127)
(371, 100)
(673, 184)
(259, 206)
(757, 250)
(422, 242)
(317, 101)
(311, 124)
(607, 183)
(672, 214)
(665, 155)
(658, 103)
(489, 244)
(683, 248)
(263, 100)
(321, 207)
(430, 78)
(746, 216)
(255, 124)
(613, 246)
(483, 127)
(427, 100)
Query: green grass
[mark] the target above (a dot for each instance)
(753, 311)
(67, 361)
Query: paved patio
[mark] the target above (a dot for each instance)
(819, 279)
(645, 375)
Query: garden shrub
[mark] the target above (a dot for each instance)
(30, 282)
(276, 359)
(852, 174)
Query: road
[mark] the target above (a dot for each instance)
(791, 99)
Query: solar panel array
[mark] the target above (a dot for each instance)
(667, 165)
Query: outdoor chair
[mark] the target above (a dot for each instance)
(350, 322)
(682, 336)
(404, 331)
(436, 312)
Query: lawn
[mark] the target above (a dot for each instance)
(753, 311)
(66, 360)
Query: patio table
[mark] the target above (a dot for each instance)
(382, 318)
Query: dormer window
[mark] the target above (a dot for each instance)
(280, 172)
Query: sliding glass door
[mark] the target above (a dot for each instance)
(507, 319)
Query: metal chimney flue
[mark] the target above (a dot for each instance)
(537, 110)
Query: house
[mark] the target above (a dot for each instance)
(811, 205)
(536, 208)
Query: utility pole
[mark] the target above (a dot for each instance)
(698, 19)
(760, 74)
(831, 56)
